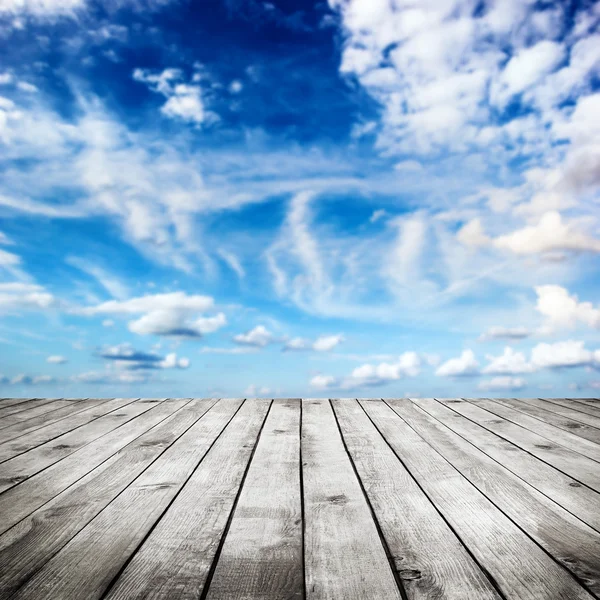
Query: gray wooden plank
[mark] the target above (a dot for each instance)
(24, 465)
(579, 467)
(591, 406)
(19, 501)
(430, 559)
(519, 567)
(175, 560)
(89, 410)
(550, 432)
(558, 416)
(344, 556)
(35, 408)
(29, 544)
(8, 402)
(18, 431)
(580, 411)
(578, 499)
(569, 540)
(262, 553)
(86, 565)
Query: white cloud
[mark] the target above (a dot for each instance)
(570, 353)
(108, 323)
(24, 86)
(503, 384)
(472, 234)
(212, 350)
(8, 259)
(564, 310)
(165, 314)
(56, 359)
(551, 233)
(506, 333)
(323, 382)
(466, 364)
(324, 343)
(236, 86)
(42, 8)
(508, 363)
(24, 296)
(407, 365)
(260, 337)
(126, 357)
(526, 68)
(377, 215)
(184, 101)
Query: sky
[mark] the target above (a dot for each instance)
(286, 198)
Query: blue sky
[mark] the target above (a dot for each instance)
(293, 198)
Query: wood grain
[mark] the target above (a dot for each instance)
(29, 544)
(429, 558)
(344, 557)
(22, 466)
(174, 561)
(520, 568)
(570, 541)
(87, 564)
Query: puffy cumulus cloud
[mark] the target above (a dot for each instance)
(125, 356)
(509, 362)
(441, 70)
(505, 333)
(323, 343)
(564, 310)
(259, 337)
(570, 353)
(56, 359)
(172, 314)
(369, 375)
(407, 365)
(550, 233)
(511, 384)
(323, 382)
(18, 296)
(464, 365)
(184, 100)
(526, 68)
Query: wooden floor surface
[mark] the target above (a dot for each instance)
(181, 499)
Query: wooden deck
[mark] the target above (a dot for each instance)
(280, 499)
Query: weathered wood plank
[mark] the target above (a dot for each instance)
(20, 501)
(556, 415)
(87, 564)
(175, 560)
(429, 558)
(262, 554)
(24, 443)
(8, 402)
(579, 467)
(37, 409)
(24, 429)
(23, 466)
(578, 499)
(344, 556)
(520, 568)
(590, 410)
(23, 404)
(550, 432)
(570, 541)
(29, 544)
